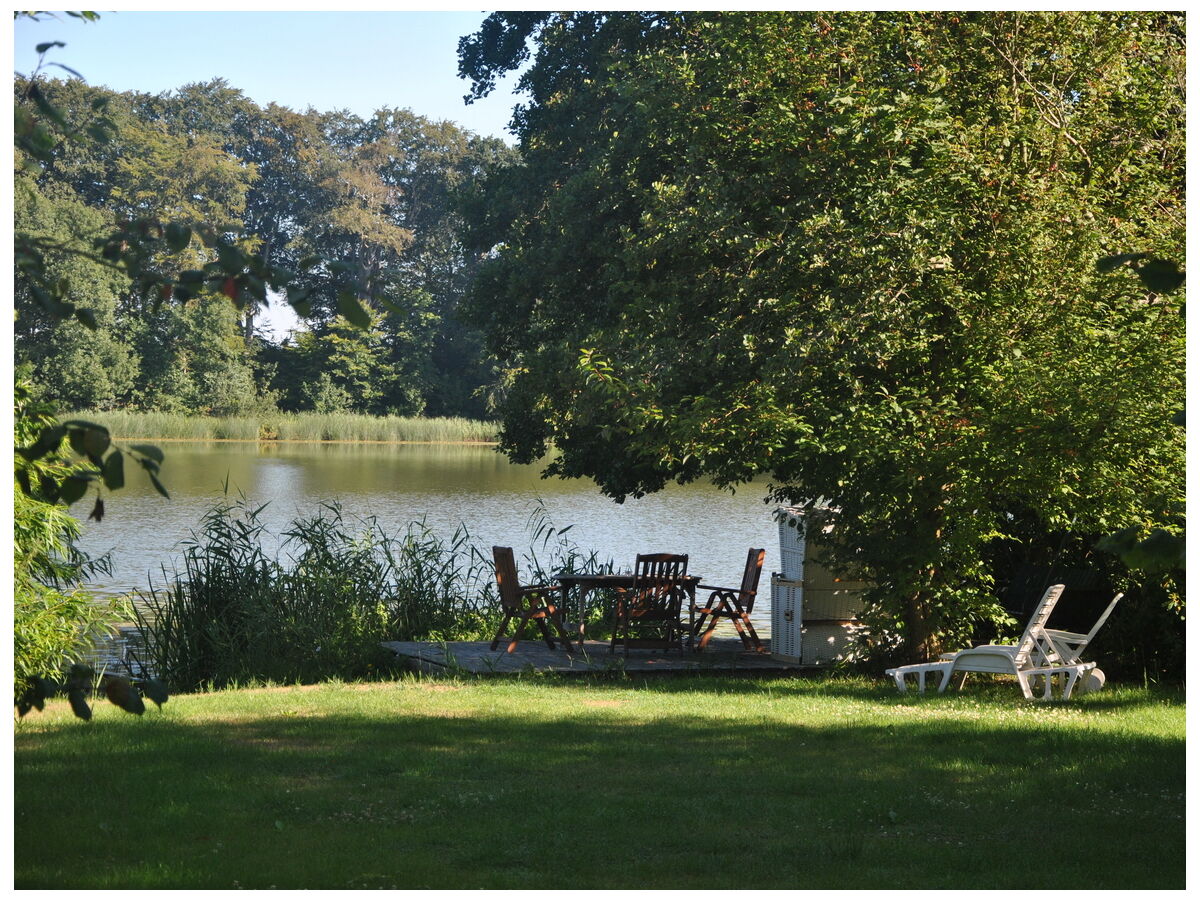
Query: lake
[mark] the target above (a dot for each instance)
(446, 485)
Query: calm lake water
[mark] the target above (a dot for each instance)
(447, 486)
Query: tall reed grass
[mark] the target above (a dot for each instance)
(127, 425)
(323, 604)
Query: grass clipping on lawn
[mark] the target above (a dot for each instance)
(693, 782)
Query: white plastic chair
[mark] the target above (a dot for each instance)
(1034, 655)
(1069, 646)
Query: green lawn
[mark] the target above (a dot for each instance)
(669, 783)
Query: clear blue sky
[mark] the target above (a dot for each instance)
(359, 61)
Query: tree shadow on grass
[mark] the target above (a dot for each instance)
(602, 798)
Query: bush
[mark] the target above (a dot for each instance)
(236, 615)
(55, 623)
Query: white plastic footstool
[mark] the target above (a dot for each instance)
(921, 670)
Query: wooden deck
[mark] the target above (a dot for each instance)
(722, 655)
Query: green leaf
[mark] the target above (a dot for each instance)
(1120, 542)
(158, 484)
(79, 706)
(1160, 275)
(42, 48)
(49, 440)
(148, 450)
(1161, 551)
(99, 133)
(156, 691)
(230, 258)
(297, 298)
(1112, 263)
(352, 310)
(67, 68)
(73, 487)
(178, 235)
(114, 471)
(87, 317)
(391, 307)
(88, 439)
(121, 692)
(46, 108)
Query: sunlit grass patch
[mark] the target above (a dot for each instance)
(689, 782)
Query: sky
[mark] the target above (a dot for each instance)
(359, 61)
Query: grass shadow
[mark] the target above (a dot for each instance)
(627, 789)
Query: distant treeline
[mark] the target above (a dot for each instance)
(379, 194)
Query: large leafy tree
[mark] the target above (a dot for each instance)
(856, 253)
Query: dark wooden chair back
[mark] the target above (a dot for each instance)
(656, 582)
(506, 578)
(749, 590)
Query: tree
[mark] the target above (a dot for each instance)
(855, 253)
(347, 366)
(77, 367)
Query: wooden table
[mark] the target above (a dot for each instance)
(585, 584)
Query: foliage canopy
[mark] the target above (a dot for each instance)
(856, 253)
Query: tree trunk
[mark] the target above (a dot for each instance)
(921, 643)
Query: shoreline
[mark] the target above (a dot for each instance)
(213, 440)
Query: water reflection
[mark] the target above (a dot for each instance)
(446, 485)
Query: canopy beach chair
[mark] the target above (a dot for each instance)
(1035, 655)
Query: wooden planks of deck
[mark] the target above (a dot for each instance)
(477, 657)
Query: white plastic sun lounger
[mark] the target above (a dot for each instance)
(1034, 655)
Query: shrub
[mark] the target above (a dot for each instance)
(235, 614)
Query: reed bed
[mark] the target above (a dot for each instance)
(322, 605)
(303, 426)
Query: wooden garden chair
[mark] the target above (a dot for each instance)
(734, 605)
(652, 604)
(537, 603)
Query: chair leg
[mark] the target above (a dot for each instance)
(758, 647)
(500, 633)
(707, 636)
(946, 680)
(726, 611)
(520, 631)
(545, 630)
(1023, 681)
(567, 640)
(1072, 677)
(740, 621)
